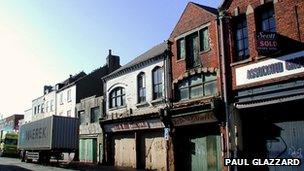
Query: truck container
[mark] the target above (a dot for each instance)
(51, 136)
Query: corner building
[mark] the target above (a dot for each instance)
(265, 52)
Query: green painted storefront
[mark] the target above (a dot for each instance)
(88, 150)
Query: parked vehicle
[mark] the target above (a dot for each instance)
(49, 137)
(8, 143)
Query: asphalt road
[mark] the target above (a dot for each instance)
(14, 164)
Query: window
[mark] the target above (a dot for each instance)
(204, 39)
(47, 107)
(52, 105)
(191, 45)
(69, 113)
(267, 19)
(197, 85)
(157, 79)
(38, 109)
(141, 87)
(35, 110)
(69, 95)
(61, 98)
(117, 97)
(42, 108)
(95, 114)
(81, 117)
(241, 37)
(181, 51)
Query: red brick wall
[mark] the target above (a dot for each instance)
(194, 17)
(286, 25)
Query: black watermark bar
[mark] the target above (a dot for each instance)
(262, 162)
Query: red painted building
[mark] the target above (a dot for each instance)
(264, 49)
(196, 115)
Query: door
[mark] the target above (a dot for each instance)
(82, 150)
(123, 147)
(205, 153)
(289, 144)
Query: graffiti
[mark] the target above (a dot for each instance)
(295, 152)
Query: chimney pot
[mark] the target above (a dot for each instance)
(110, 52)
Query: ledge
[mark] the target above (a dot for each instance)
(143, 104)
(241, 62)
(116, 108)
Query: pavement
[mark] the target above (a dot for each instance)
(14, 164)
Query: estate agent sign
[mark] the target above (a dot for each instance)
(267, 43)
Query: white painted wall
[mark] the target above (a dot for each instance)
(129, 82)
(28, 114)
(65, 106)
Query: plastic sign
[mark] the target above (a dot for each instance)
(270, 69)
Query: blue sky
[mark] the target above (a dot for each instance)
(43, 41)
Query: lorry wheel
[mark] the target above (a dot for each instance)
(1, 153)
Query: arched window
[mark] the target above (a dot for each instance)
(141, 87)
(157, 79)
(117, 97)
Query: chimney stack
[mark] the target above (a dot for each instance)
(113, 61)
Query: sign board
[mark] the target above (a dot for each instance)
(166, 133)
(137, 125)
(270, 69)
(266, 42)
(194, 119)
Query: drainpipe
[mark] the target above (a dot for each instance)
(224, 82)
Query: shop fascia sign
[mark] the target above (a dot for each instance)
(267, 42)
(270, 69)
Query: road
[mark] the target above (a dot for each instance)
(14, 164)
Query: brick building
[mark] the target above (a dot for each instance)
(196, 116)
(265, 52)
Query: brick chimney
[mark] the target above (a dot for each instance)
(113, 61)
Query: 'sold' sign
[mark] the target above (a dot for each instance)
(267, 42)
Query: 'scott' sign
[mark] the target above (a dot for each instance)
(267, 42)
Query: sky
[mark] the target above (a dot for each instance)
(42, 42)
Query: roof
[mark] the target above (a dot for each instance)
(153, 52)
(70, 81)
(209, 9)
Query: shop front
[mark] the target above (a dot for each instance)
(136, 143)
(270, 116)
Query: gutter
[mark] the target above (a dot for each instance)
(224, 83)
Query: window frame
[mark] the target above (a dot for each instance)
(122, 96)
(190, 86)
(159, 85)
(69, 98)
(266, 8)
(141, 88)
(244, 39)
(92, 119)
(183, 37)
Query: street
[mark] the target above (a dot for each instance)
(14, 164)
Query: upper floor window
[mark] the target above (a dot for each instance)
(52, 105)
(47, 107)
(69, 95)
(69, 113)
(189, 47)
(141, 87)
(157, 80)
(241, 37)
(81, 116)
(117, 97)
(266, 18)
(196, 86)
(35, 110)
(61, 98)
(95, 114)
(38, 109)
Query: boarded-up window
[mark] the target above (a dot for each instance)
(204, 39)
(95, 114)
(181, 51)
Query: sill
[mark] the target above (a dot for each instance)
(69, 101)
(119, 107)
(157, 101)
(180, 60)
(241, 62)
(142, 104)
(205, 51)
